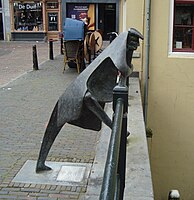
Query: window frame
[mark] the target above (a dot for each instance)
(173, 51)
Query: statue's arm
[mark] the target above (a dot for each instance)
(96, 108)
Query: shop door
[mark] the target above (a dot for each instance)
(1, 27)
(107, 19)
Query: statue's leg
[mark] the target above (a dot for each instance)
(51, 133)
(95, 107)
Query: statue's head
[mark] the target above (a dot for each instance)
(122, 48)
(132, 43)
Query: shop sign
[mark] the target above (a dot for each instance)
(29, 6)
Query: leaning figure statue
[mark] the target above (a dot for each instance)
(82, 103)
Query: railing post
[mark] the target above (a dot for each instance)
(122, 92)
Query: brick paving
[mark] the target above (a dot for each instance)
(16, 58)
(26, 103)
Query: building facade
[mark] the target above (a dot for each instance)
(165, 62)
(171, 94)
(103, 15)
(167, 78)
(37, 20)
(170, 112)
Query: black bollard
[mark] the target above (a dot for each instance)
(51, 49)
(35, 59)
(62, 46)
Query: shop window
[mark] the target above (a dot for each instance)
(183, 30)
(52, 21)
(0, 4)
(84, 12)
(28, 16)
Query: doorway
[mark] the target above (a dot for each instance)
(107, 19)
(53, 19)
(1, 27)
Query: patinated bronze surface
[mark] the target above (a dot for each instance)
(85, 98)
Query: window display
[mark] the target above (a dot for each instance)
(53, 21)
(84, 12)
(28, 16)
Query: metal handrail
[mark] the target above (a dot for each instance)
(114, 174)
(110, 174)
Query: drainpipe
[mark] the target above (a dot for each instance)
(147, 52)
(124, 15)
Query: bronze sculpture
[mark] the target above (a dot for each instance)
(85, 97)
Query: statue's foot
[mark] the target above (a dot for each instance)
(41, 168)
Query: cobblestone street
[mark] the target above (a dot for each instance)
(16, 58)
